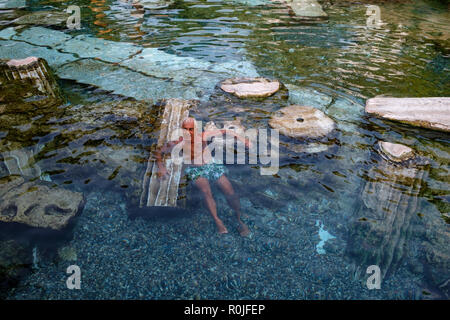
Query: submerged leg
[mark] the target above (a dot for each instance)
(203, 185)
(234, 202)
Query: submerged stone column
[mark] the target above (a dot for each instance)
(382, 223)
(32, 70)
(28, 91)
(167, 192)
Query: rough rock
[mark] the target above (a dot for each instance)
(302, 122)
(307, 8)
(431, 113)
(395, 152)
(37, 205)
(250, 87)
(97, 143)
(44, 18)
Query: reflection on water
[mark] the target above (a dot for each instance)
(97, 144)
(98, 8)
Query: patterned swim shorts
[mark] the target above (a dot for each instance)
(210, 171)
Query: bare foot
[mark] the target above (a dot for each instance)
(221, 227)
(243, 229)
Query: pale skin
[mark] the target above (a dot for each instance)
(202, 183)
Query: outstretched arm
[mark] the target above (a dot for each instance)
(207, 134)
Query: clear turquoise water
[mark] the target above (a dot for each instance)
(402, 226)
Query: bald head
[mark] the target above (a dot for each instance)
(188, 123)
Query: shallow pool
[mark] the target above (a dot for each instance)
(334, 208)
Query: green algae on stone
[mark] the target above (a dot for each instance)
(25, 110)
(34, 71)
(44, 18)
(40, 205)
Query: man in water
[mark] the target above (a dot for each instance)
(206, 171)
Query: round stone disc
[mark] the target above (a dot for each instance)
(302, 122)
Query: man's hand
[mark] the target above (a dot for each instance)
(248, 144)
(163, 174)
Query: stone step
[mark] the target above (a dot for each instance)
(431, 113)
(123, 68)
